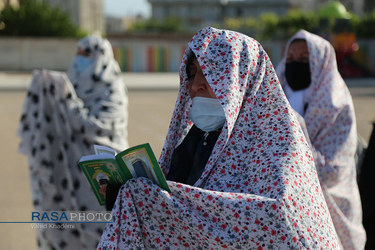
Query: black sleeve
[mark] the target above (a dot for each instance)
(111, 195)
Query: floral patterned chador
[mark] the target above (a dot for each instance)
(330, 123)
(259, 188)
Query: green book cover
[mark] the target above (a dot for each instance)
(107, 166)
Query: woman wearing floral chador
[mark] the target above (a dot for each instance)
(317, 92)
(240, 171)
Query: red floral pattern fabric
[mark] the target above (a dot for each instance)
(259, 189)
(331, 126)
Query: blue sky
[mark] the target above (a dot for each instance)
(120, 8)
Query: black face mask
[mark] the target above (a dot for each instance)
(298, 75)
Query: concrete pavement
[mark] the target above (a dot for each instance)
(134, 81)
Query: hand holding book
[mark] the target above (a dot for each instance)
(108, 167)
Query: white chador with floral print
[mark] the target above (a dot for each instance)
(259, 189)
(61, 120)
(331, 127)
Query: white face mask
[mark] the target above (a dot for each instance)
(81, 63)
(207, 114)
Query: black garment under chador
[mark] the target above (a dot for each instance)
(187, 164)
(190, 157)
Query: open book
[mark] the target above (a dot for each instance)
(106, 166)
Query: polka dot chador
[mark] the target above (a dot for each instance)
(61, 120)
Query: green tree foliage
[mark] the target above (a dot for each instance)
(270, 26)
(282, 27)
(248, 24)
(365, 27)
(296, 20)
(267, 25)
(169, 24)
(37, 18)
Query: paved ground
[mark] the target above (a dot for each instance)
(149, 115)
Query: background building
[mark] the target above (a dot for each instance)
(4, 3)
(116, 25)
(86, 14)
